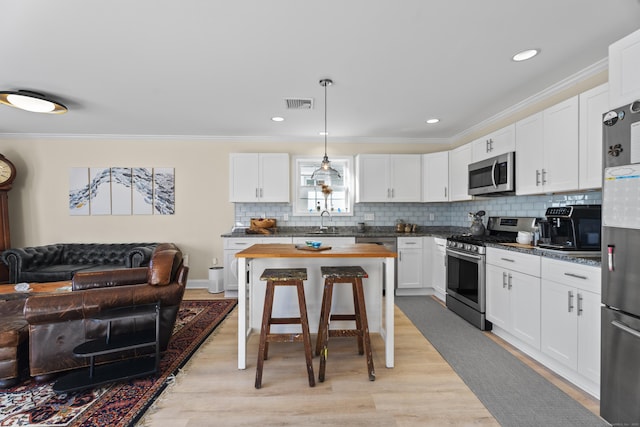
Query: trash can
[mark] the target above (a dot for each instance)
(216, 280)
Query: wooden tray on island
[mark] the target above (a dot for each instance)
(311, 248)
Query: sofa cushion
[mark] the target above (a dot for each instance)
(53, 273)
(163, 266)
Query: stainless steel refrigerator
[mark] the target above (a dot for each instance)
(620, 351)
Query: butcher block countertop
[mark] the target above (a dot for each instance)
(285, 250)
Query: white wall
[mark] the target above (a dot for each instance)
(38, 202)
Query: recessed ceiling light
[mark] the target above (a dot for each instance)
(525, 54)
(432, 121)
(277, 119)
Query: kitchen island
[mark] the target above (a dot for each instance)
(376, 260)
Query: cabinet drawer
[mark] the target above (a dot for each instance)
(512, 260)
(240, 243)
(409, 242)
(585, 277)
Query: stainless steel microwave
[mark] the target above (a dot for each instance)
(494, 176)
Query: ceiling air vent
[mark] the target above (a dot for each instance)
(299, 103)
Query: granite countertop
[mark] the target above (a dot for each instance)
(435, 231)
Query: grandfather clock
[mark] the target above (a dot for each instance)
(7, 175)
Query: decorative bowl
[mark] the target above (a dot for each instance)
(313, 244)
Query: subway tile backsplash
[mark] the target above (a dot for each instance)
(428, 214)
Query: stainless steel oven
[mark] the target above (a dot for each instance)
(466, 265)
(466, 284)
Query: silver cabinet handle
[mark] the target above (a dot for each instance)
(577, 276)
(488, 146)
(544, 176)
(508, 259)
(257, 194)
(537, 177)
(410, 243)
(579, 304)
(510, 278)
(445, 191)
(504, 280)
(570, 298)
(261, 193)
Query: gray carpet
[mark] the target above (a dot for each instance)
(515, 394)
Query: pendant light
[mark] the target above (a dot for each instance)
(31, 101)
(325, 167)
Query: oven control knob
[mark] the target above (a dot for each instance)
(468, 247)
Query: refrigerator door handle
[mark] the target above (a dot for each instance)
(626, 328)
(610, 257)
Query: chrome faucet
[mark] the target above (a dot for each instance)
(322, 226)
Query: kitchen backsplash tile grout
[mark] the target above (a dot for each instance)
(444, 214)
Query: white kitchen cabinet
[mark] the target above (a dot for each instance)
(593, 104)
(546, 147)
(513, 294)
(496, 143)
(624, 70)
(258, 177)
(435, 177)
(233, 245)
(459, 160)
(410, 265)
(389, 178)
(438, 267)
(570, 318)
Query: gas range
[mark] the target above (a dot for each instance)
(499, 230)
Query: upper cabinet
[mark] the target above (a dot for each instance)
(258, 177)
(546, 150)
(459, 160)
(435, 177)
(624, 70)
(389, 178)
(593, 104)
(496, 143)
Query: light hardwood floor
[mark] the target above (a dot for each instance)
(421, 390)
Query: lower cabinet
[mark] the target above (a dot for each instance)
(571, 316)
(410, 266)
(438, 267)
(233, 245)
(513, 294)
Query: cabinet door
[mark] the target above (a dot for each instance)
(560, 172)
(435, 177)
(593, 104)
(459, 160)
(497, 294)
(244, 177)
(589, 335)
(559, 325)
(230, 270)
(529, 154)
(496, 143)
(438, 268)
(525, 308)
(406, 177)
(373, 178)
(410, 268)
(274, 177)
(624, 70)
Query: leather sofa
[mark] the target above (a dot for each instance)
(58, 322)
(14, 335)
(60, 261)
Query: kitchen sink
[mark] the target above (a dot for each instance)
(323, 232)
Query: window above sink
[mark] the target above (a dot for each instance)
(325, 191)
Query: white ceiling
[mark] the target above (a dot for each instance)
(216, 69)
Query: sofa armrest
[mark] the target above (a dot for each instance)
(109, 278)
(140, 256)
(22, 259)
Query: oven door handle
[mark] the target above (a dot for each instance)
(464, 255)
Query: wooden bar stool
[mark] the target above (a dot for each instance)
(353, 275)
(284, 277)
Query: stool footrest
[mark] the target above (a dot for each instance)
(285, 321)
(293, 337)
(343, 317)
(344, 333)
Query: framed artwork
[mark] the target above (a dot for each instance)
(100, 191)
(142, 179)
(79, 191)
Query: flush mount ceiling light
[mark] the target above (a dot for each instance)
(433, 121)
(31, 101)
(325, 167)
(525, 54)
(277, 119)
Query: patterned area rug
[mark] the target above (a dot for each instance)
(120, 404)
